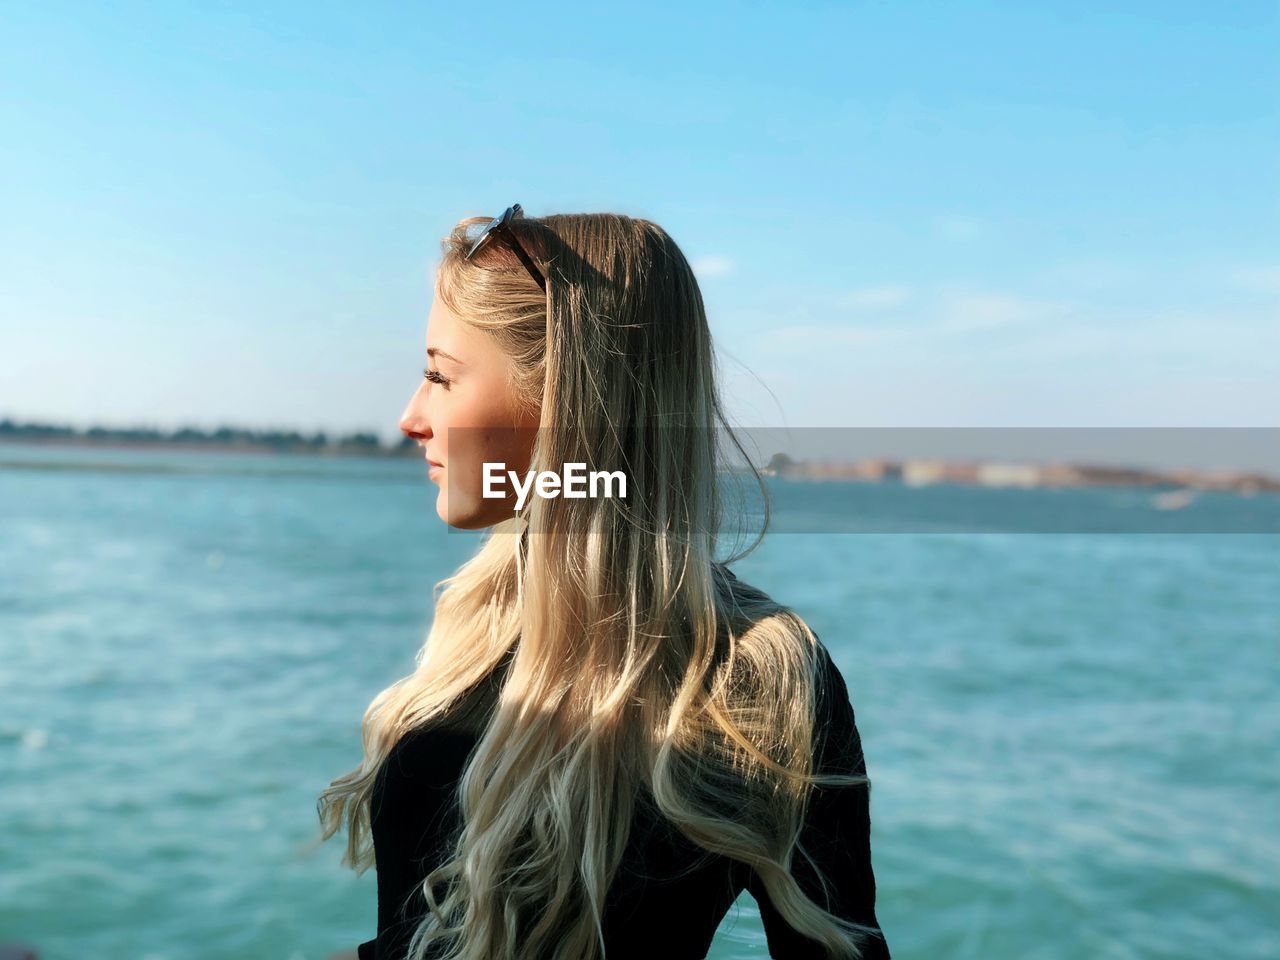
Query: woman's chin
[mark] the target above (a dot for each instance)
(472, 516)
(460, 518)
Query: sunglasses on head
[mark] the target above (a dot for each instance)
(500, 227)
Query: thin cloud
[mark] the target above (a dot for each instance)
(811, 337)
(945, 315)
(876, 298)
(986, 311)
(957, 228)
(713, 266)
(1096, 274)
(1264, 279)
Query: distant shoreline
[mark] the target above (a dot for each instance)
(213, 446)
(914, 472)
(927, 471)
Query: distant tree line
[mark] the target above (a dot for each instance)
(280, 441)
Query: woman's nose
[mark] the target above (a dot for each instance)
(414, 424)
(413, 428)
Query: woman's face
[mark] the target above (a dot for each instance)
(465, 415)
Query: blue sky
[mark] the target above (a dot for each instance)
(929, 214)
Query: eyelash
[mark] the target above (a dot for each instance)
(434, 376)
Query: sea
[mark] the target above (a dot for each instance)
(1069, 702)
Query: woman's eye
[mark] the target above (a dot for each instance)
(434, 376)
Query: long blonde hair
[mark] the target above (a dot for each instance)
(636, 664)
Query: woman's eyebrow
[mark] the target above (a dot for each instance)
(434, 352)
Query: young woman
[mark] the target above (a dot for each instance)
(607, 736)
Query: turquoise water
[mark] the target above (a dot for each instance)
(1071, 736)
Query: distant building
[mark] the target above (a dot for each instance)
(998, 474)
(919, 473)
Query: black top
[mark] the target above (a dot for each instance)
(669, 895)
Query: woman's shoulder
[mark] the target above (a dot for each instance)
(827, 672)
(428, 756)
(839, 745)
(769, 622)
(433, 753)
